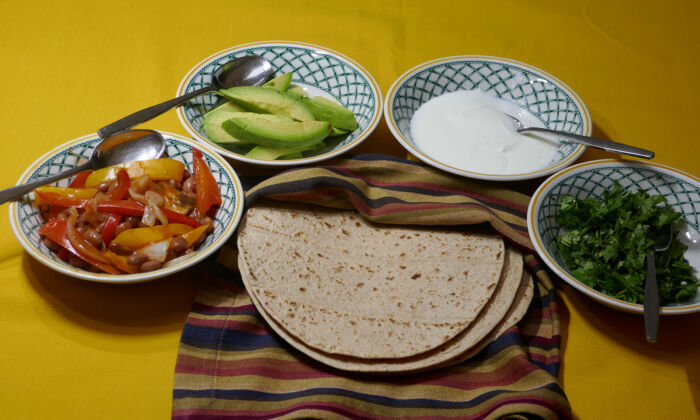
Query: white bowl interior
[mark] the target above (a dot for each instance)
(322, 72)
(553, 103)
(680, 191)
(26, 217)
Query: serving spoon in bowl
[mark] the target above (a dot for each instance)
(662, 240)
(250, 70)
(608, 145)
(123, 147)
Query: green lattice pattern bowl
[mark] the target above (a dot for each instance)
(590, 179)
(320, 70)
(25, 217)
(556, 105)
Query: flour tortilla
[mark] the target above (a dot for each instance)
(490, 317)
(344, 286)
(515, 313)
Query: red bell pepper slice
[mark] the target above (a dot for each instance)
(122, 207)
(79, 180)
(134, 208)
(122, 188)
(175, 217)
(55, 229)
(207, 191)
(110, 227)
(63, 254)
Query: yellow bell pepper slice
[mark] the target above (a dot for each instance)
(194, 234)
(157, 169)
(139, 237)
(119, 261)
(68, 192)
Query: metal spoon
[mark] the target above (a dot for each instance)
(123, 147)
(662, 240)
(251, 70)
(608, 145)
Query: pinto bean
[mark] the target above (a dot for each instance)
(104, 187)
(77, 262)
(189, 185)
(178, 244)
(94, 238)
(150, 265)
(136, 259)
(119, 249)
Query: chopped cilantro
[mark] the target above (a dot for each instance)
(606, 241)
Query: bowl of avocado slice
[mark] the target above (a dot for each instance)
(318, 105)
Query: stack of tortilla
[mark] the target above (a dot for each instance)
(375, 298)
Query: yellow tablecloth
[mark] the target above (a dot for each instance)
(75, 349)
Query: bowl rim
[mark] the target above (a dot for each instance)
(533, 230)
(376, 117)
(391, 123)
(137, 277)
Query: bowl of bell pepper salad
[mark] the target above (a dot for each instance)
(131, 222)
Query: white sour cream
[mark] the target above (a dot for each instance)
(467, 130)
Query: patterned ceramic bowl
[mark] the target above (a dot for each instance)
(322, 72)
(26, 219)
(590, 179)
(551, 101)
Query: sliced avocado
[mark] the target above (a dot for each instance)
(268, 101)
(293, 155)
(326, 110)
(335, 131)
(265, 130)
(267, 153)
(297, 92)
(280, 83)
(214, 118)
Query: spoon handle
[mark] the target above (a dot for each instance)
(19, 190)
(149, 113)
(608, 145)
(651, 300)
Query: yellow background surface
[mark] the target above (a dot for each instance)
(75, 349)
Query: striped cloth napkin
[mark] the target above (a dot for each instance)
(230, 364)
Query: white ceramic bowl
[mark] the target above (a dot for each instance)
(26, 219)
(556, 105)
(590, 179)
(323, 72)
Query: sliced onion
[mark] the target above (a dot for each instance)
(160, 215)
(154, 197)
(91, 212)
(149, 216)
(157, 251)
(154, 201)
(136, 196)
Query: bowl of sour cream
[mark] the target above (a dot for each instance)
(451, 114)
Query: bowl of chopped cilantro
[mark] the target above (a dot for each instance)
(594, 222)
